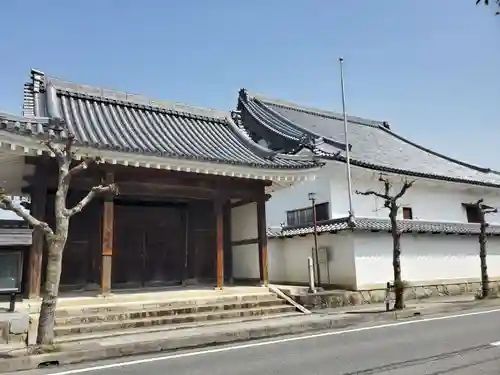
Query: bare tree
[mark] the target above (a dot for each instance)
(482, 211)
(56, 237)
(487, 2)
(391, 203)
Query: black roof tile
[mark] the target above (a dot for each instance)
(110, 120)
(379, 224)
(372, 143)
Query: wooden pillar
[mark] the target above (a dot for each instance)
(219, 230)
(38, 210)
(107, 239)
(262, 237)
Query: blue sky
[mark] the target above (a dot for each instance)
(428, 67)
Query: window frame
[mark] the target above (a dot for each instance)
(304, 216)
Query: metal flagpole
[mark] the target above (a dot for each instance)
(347, 151)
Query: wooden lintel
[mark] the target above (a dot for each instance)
(229, 187)
(248, 241)
(242, 202)
(148, 189)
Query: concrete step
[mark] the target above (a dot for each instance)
(165, 310)
(158, 303)
(168, 327)
(170, 319)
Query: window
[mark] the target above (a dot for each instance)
(304, 216)
(407, 213)
(472, 212)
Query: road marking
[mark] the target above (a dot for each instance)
(271, 342)
(497, 343)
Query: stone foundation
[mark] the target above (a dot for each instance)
(341, 298)
(13, 327)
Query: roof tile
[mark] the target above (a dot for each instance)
(374, 145)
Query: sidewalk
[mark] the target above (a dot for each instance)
(15, 359)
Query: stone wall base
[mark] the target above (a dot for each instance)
(340, 298)
(13, 327)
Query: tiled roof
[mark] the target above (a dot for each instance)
(109, 120)
(376, 224)
(373, 145)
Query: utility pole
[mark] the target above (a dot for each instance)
(346, 141)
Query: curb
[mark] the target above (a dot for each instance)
(33, 362)
(416, 311)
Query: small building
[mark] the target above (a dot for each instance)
(15, 241)
(192, 187)
(438, 222)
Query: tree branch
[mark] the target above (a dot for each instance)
(484, 209)
(83, 165)
(406, 185)
(7, 204)
(54, 149)
(95, 191)
(371, 192)
(387, 186)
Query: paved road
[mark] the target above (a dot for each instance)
(448, 344)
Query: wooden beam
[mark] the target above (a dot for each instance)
(194, 188)
(219, 228)
(107, 239)
(262, 236)
(242, 202)
(248, 241)
(38, 210)
(150, 189)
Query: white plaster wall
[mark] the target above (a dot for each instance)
(244, 222)
(430, 200)
(296, 197)
(424, 257)
(244, 227)
(246, 262)
(288, 259)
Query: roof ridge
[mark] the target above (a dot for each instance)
(111, 94)
(264, 151)
(313, 110)
(435, 153)
(331, 141)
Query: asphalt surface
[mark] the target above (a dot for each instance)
(448, 344)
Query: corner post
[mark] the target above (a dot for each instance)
(38, 210)
(262, 237)
(107, 238)
(219, 229)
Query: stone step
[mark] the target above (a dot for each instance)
(169, 327)
(156, 312)
(107, 308)
(170, 319)
(181, 293)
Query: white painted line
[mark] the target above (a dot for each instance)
(497, 343)
(271, 342)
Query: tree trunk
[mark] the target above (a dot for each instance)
(396, 258)
(56, 244)
(485, 284)
(45, 334)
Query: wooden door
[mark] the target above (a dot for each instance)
(129, 243)
(80, 264)
(165, 245)
(201, 244)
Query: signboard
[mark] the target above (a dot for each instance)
(11, 268)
